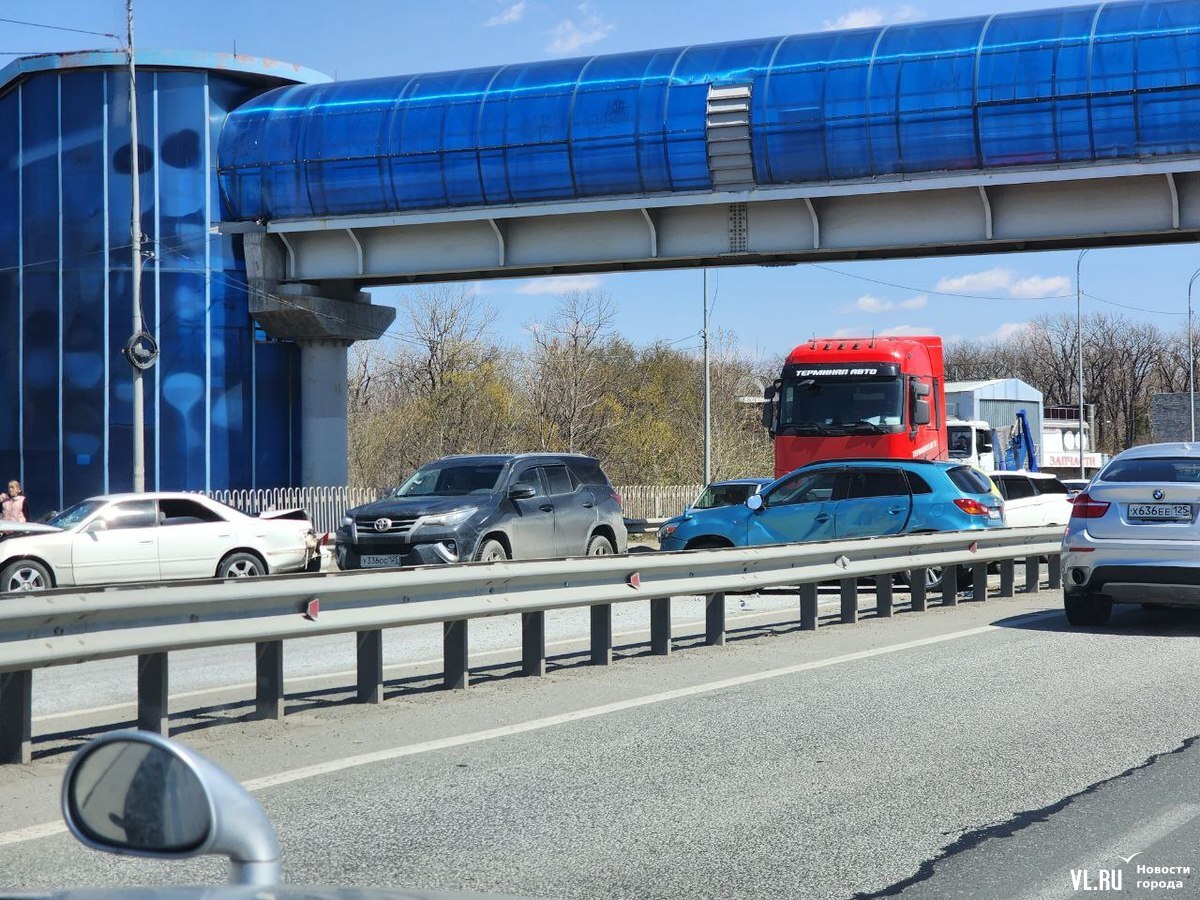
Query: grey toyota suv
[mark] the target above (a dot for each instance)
(461, 508)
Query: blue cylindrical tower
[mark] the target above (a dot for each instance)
(220, 403)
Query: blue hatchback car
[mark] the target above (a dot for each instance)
(847, 499)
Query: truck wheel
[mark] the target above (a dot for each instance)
(25, 575)
(1088, 611)
(491, 550)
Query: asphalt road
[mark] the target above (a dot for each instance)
(981, 751)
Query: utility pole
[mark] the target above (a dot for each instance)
(140, 356)
(1191, 355)
(707, 390)
(1079, 351)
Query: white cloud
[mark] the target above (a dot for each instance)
(865, 17)
(895, 331)
(869, 303)
(570, 35)
(871, 16)
(1005, 331)
(872, 304)
(977, 282)
(560, 284)
(1036, 287)
(993, 281)
(509, 16)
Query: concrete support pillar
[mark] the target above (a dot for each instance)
(323, 413)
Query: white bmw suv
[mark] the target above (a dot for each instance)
(1133, 535)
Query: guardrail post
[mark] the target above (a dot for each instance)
(601, 615)
(1033, 574)
(268, 683)
(849, 591)
(808, 607)
(949, 585)
(714, 620)
(979, 581)
(660, 626)
(454, 653)
(533, 643)
(883, 596)
(16, 717)
(917, 590)
(370, 666)
(1054, 570)
(152, 693)
(1008, 577)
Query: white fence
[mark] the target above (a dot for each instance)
(327, 505)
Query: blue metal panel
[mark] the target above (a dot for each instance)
(39, 385)
(10, 304)
(1115, 81)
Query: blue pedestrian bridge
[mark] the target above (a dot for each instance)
(1066, 127)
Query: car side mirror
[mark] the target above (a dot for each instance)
(136, 793)
(521, 491)
(97, 525)
(754, 502)
(921, 412)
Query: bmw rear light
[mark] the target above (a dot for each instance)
(1084, 507)
(615, 496)
(971, 506)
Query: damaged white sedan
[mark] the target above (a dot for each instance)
(123, 538)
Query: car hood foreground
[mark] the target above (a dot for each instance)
(21, 529)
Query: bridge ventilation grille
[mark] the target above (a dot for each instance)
(730, 162)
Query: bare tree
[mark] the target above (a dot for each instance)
(565, 373)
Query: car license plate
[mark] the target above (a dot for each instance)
(1161, 512)
(379, 561)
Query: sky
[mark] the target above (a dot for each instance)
(768, 309)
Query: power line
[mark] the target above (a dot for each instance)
(920, 290)
(59, 28)
(1158, 312)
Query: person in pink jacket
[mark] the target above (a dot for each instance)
(12, 503)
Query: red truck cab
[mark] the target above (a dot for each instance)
(839, 398)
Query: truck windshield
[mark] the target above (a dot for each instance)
(841, 405)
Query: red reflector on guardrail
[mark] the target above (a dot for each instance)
(312, 609)
(634, 580)
(974, 548)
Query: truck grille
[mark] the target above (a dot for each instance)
(369, 525)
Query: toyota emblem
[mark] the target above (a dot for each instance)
(383, 524)
(1158, 494)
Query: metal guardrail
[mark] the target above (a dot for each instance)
(68, 626)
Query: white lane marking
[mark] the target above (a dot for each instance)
(350, 762)
(32, 833)
(1135, 841)
(396, 667)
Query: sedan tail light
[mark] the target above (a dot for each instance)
(1084, 507)
(971, 506)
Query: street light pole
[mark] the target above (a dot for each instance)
(1079, 352)
(1191, 354)
(135, 274)
(707, 390)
